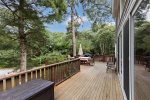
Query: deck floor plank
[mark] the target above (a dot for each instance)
(91, 83)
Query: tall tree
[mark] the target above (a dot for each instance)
(27, 17)
(73, 34)
(72, 4)
(73, 28)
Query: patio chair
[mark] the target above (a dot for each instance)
(92, 62)
(147, 66)
(110, 66)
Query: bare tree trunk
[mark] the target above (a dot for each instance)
(22, 38)
(73, 31)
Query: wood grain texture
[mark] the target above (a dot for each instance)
(91, 83)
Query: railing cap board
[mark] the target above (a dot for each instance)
(25, 91)
(38, 68)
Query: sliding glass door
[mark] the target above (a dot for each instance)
(142, 51)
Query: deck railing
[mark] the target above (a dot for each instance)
(105, 58)
(55, 72)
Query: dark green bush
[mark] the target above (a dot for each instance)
(48, 58)
(8, 58)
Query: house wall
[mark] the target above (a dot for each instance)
(125, 43)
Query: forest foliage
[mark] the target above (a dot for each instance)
(52, 47)
(25, 42)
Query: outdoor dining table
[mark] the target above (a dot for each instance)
(86, 60)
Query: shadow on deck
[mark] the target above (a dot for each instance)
(91, 83)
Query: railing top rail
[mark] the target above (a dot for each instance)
(38, 68)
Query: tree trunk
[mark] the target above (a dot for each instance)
(22, 38)
(73, 31)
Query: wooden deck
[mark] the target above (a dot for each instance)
(142, 83)
(92, 83)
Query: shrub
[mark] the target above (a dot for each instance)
(48, 58)
(9, 58)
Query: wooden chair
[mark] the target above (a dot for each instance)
(92, 61)
(147, 66)
(110, 66)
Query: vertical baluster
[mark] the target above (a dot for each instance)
(26, 77)
(58, 78)
(55, 71)
(20, 80)
(76, 66)
(4, 84)
(44, 73)
(57, 74)
(79, 65)
(66, 67)
(73, 70)
(31, 75)
(51, 72)
(63, 71)
(53, 68)
(36, 74)
(60, 68)
(48, 75)
(40, 73)
(71, 67)
(12, 82)
(60, 72)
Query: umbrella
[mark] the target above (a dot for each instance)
(80, 51)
